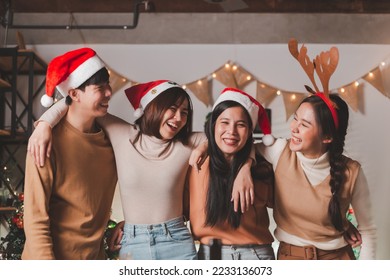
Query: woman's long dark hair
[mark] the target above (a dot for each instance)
(219, 207)
(150, 122)
(335, 149)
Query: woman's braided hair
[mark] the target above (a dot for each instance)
(335, 148)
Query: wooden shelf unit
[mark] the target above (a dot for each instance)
(22, 80)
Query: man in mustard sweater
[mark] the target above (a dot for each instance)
(68, 198)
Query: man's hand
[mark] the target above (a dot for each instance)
(39, 143)
(114, 240)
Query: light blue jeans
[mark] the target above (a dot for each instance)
(239, 252)
(170, 240)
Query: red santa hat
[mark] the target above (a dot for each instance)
(254, 108)
(141, 95)
(68, 71)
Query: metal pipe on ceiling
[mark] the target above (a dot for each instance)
(7, 21)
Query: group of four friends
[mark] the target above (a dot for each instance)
(220, 180)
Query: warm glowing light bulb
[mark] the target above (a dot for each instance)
(184, 86)
(199, 82)
(356, 84)
(234, 67)
(249, 77)
(278, 92)
(214, 75)
(227, 65)
(342, 90)
(371, 74)
(293, 97)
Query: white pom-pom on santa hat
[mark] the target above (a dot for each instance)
(268, 139)
(46, 101)
(138, 113)
(68, 71)
(256, 111)
(141, 95)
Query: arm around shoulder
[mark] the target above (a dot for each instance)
(272, 153)
(40, 142)
(54, 114)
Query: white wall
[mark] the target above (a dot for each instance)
(207, 28)
(368, 137)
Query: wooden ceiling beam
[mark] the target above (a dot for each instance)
(201, 6)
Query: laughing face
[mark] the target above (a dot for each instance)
(95, 99)
(306, 134)
(231, 131)
(174, 119)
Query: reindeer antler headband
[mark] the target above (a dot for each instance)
(324, 65)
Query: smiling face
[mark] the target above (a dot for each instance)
(232, 131)
(173, 120)
(95, 98)
(306, 133)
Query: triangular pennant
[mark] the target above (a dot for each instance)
(291, 102)
(385, 73)
(265, 94)
(374, 77)
(200, 89)
(117, 81)
(242, 76)
(350, 95)
(132, 83)
(225, 75)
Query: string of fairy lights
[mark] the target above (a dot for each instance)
(232, 74)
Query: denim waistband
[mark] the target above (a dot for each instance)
(240, 246)
(163, 227)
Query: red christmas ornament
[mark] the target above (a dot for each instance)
(21, 197)
(15, 219)
(19, 224)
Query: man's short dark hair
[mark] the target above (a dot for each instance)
(100, 77)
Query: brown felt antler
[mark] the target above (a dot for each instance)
(303, 59)
(325, 64)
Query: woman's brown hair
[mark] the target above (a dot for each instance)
(150, 122)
